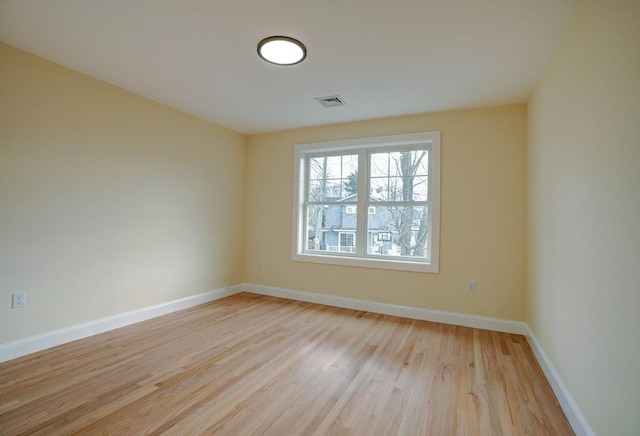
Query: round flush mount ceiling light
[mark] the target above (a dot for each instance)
(282, 50)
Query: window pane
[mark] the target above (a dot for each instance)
(327, 225)
(379, 165)
(394, 188)
(316, 168)
(349, 165)
(422, 157)
(398, 231)
(386, 189)
(316, 192)
(325, 190)
(420, 188)
(334, 167)
(332, 178)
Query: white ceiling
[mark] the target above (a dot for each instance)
(385, 58)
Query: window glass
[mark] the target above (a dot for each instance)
(399, 231)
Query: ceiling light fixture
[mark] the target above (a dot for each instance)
(282, 50)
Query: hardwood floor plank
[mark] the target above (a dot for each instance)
(251, 364)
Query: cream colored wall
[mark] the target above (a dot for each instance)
(482, 215)
(108, 202)
(583, 300)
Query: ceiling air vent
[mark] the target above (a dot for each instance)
(332, 101)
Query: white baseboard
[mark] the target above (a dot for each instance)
(441, 316)
(32, 344)
(569, 406)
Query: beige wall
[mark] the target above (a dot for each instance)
(108, 202)
(482, 215)
(583, 299)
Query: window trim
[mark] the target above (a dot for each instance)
(378, 144)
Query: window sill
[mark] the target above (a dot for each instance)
(367, 262)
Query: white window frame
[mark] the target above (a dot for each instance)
(364, 146)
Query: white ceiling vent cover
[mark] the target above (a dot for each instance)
(332, 101)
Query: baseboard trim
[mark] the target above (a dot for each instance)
(441, 316)
(567, 403)
(32, 344)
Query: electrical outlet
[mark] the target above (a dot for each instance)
(471, 286)
(258, 264)
(18, 300)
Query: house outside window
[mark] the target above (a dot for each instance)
(370, 202)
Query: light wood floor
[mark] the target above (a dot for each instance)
(254, 365)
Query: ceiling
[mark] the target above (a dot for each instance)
(384, 58)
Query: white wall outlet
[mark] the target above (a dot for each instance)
(471, 285)
(258, 263)
(18, 300)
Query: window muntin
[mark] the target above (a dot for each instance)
(370, 202)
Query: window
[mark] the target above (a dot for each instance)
(347, 242)
(371, 202)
